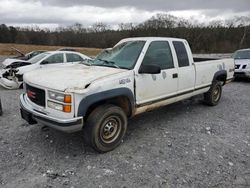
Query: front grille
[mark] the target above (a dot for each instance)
(36, 95)
(237, 66)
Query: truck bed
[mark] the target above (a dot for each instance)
(205, 70)
(202, 59)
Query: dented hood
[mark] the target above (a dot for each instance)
(68, 77)
(10, 61)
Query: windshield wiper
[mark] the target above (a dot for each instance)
(110, 62)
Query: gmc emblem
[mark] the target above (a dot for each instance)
(31, 94)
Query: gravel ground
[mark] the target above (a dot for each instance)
(186, 144)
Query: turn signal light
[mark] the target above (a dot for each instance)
(67, 108)
(67, 98)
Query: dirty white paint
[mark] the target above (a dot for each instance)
(70, 77)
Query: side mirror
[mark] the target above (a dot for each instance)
(150, 69)
(44, 62)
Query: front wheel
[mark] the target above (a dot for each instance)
(105, 127)
(212, 97)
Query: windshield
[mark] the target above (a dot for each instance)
(123, 55)
(38, 58)
(244, 54)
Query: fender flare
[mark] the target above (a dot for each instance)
(105, 95)
(220, 73)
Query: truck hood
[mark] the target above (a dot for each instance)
(242, 61)
(68, 77)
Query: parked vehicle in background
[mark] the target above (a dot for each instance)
(137, 75)
(21, 57)
(11, 77)
(32, 54)
(27, 56)
(67, 49)
(242, 63)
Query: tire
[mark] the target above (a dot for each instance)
(212, 97)
(105, 128)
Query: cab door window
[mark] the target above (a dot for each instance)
(159, 53)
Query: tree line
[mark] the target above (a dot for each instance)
(214, 37)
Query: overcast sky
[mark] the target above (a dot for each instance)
(53, 13)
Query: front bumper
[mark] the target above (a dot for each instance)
(241, 74)
(242, 70)
(32, 117)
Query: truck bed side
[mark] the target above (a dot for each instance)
(206, 70)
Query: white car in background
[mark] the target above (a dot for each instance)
(11, 76)
(242, 63)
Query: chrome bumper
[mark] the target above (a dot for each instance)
(32, 117)
(242, 73)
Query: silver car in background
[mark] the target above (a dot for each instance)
(242, 63)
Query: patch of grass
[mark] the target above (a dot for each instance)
(5, 49)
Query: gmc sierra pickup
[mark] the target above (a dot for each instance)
(137, 75)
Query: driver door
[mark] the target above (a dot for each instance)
(154, 87)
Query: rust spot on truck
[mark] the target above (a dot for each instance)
(151, 106)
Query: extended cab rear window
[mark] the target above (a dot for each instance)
(181, 53)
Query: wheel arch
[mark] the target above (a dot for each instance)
(220, 76)
(122, 97)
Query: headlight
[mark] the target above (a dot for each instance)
(55, 106)
(59, 97)
(56, 96)
(63, 104)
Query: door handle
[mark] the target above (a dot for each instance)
(175, 75)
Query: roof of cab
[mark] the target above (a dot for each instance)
(150, 39)
(243, 49)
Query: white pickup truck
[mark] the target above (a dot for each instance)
(137, 75)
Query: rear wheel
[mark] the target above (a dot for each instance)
(212, 97)
(105, 127)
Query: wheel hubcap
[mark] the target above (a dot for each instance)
(216, 93)
(110, 129)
